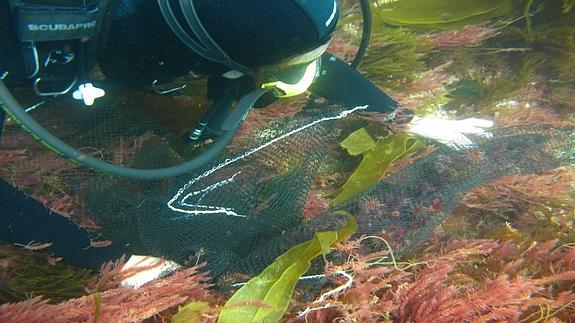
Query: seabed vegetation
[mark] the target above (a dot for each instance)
(507, 253)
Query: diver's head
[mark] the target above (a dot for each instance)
(258, 33)
(248, 35)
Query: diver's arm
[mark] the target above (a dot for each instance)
(338, 82)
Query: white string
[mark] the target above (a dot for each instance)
(178, 202)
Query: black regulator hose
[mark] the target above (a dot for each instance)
(2, 121)
(366, 33)
(16, 112)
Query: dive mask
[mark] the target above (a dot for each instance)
(293, 81)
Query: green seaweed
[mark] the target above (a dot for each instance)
(560, 45)
(26, 274)
(265, 298)
(568, 5)
(499, 79)
(358, 142)
(376, 161)
(505, 86)
(442, 14)
(464, 91)
(433, 103)
(563, 96)
(191, 312)
(395, 57)
(539, 50)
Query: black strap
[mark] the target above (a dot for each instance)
(2, 121)
(25, 220)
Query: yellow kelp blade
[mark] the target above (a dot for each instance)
(440, 14)
(375, 162)
(275, 285)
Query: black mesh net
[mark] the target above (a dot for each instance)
(247, 207)
(122, 124)
(243, 210)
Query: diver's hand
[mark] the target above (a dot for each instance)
(449, 132)
(158, 268)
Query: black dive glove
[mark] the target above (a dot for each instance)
(338, 82)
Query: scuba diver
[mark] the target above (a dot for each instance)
(253, 52)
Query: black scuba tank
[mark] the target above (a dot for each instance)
(12, 63)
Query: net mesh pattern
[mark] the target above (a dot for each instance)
(244, 209)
